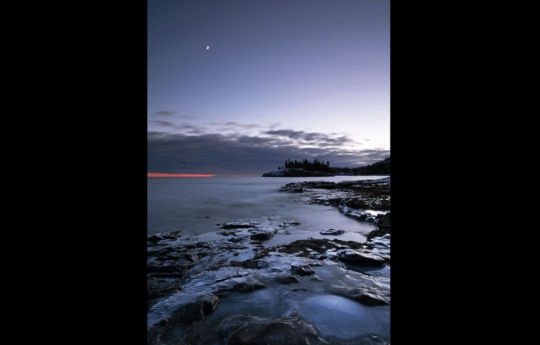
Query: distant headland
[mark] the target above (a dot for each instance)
(317, 168)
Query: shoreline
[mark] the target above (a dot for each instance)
(212, 287)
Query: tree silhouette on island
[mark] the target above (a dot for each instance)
(306, 168)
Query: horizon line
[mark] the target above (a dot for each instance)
(152, 174)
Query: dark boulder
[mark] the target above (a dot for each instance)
(303, 270)
(287, 279)
(158, 288)
(365, 295)
(243, 284)
(252, 330)
(195, 311)
(262, 234)
(357, 258)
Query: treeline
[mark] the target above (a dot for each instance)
(377, 168)
(316, 165)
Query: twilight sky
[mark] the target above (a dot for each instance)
(281, 79)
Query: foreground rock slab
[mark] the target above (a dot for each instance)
(197, 310)
(357, 258)
(252, 330)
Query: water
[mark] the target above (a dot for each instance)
(196, 205)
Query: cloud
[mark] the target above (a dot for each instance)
(191, 128)
(163, 123)
(243, 154)
(165, 113)
(234, 125)
(314, 138)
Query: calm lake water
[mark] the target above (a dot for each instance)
(197, 205)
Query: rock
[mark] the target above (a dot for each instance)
(154, 238)
(262, 234)
(354, 257)
(236, 239)
(174, 270)
(252, 330)
(316, 244)
(226, 233)
(371, 299)
(191, 257)
(383, 221)
(286, 279)
(332, 232)
(303, 270)
(378, 233)
(238, 225)
(243, 284)
(292, 188)
(365, 295)
(250, 263)
(195, 311)
(157, 288)
(356, 203)
(160, 252)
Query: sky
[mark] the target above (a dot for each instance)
(237, 87)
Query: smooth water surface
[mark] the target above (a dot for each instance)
(196, 205)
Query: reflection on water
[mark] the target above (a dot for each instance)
(196, 205)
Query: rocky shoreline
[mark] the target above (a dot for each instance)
(230, 287)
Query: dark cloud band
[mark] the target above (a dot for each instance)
(229, 154)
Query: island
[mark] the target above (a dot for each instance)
(317, 168)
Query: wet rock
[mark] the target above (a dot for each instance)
(332, 232)
(206, 267)
(158, 288)
(365, 295)
(252, 330)
(378, 233)
(238, 225)
(356, 203)
(191, 257)
(195, 311)
(227, 232)
(348, 244)
(160, 252)
(301, 246)
(371, 299)
(172, 270)
(262, 234)
(294, 222)
(242, 284)
(154, 238)
(236, 239)
(352, 198)
(354, 257)
(287, 279)
(303, 270)
(310, 247)
(250, 263)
